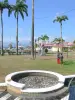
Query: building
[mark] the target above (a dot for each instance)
(53, 47)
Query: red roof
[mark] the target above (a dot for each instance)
(66, 44)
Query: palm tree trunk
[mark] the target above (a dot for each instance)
(17, 37)
(67, 52)
(33, 29)
(61, 38)
(35, 48)
(1, 35)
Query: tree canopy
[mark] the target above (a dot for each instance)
(43, 37)
(60, 19)
(58, 40)
(19, 8)
(74, 41)
(4, 5)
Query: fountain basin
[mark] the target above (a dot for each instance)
(31, 83)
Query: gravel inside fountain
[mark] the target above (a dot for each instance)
(36, 81)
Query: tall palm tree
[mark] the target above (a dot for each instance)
(19, 8)
(32, 38)
(3, 5)
(60, 19)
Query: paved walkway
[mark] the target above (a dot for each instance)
(6, 96)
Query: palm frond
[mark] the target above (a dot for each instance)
(25, 5)
(9, 12)
(54, 20)
(22, 15)
(6, 1)
(17, 1)
(19, 8)
(26, 12)
(22, 0)
(64, 17)
(15, 14)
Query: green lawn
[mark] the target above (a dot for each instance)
(10, 64)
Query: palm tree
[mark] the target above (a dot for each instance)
(19, 8)
(60, 19)
(43, 37)
(3, 5)
(32, 29)
(74, 41)
(58, 40)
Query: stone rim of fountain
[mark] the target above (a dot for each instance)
(10, 82)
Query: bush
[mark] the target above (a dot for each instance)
(46, 50)
(65, 49)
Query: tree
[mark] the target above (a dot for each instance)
(73, 47)
(46, 50)
(58, 40)
(19, 8)
(3, 5)
(32, 29)
(60, 19)
(74, 41)
(43, 37)
(10, 46)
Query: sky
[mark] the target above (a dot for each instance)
(45, 12)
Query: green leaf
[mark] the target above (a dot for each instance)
(5, 1)
(22, 15)
(9, 12)
(15, 14)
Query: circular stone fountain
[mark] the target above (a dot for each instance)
(34, 84)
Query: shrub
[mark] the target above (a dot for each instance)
(46, 50)
(65, 49)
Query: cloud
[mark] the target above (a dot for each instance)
(57, 14)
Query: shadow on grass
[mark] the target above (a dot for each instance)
(70, 62)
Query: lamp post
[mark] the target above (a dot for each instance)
(32, 29)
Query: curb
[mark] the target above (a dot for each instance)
(3, 86)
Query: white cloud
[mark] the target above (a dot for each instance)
(57, 14)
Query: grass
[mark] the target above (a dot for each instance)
(9, 64)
